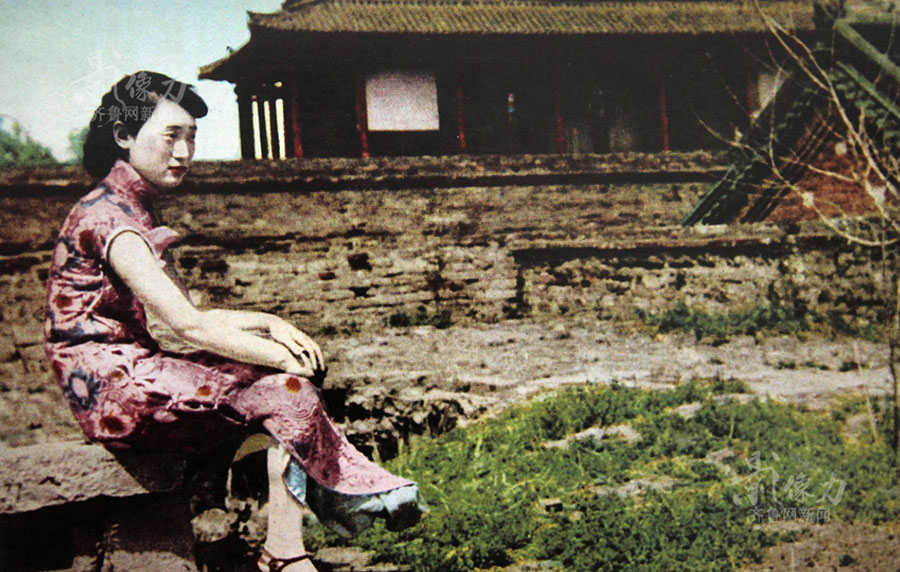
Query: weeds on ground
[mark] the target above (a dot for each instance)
(421, 317)
(485, 483)
(766, 319)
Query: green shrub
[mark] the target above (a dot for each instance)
(666, 532)
(768, 319)
(759, 319)
(18, 149)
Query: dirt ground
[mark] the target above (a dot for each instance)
(858, 547)
(497, 364)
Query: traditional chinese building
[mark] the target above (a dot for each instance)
(437, 77)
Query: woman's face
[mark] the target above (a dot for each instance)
(163, 148)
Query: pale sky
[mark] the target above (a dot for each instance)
(58, 57)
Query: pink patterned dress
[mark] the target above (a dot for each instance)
(126, 392)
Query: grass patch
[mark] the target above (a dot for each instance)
(484, 483)
(421, 317)
(848, 405)
(759, 319)
(765, 319)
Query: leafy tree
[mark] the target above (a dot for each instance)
(18, 149)
(76, 143)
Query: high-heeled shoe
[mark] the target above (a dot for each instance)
(268, 562)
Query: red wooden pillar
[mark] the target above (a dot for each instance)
(461, 117)
(245, 120)
(664, 111)
(294, 143)
(362, 118)
(559, 120)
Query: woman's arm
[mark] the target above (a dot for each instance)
(275, 328)
(139, 269)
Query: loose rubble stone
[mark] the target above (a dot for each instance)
(213, 525)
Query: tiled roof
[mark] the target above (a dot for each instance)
(461, 18)
(533, 17)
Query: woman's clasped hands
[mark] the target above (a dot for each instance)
(308, 356)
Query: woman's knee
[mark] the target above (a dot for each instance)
(275, 395)
(301, 386)
(287, 387)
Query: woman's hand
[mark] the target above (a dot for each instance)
(304, 349)
(290, 364)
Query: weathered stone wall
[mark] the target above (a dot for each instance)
(483, 241)
(718, 274)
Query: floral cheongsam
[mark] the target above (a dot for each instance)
(126, 392)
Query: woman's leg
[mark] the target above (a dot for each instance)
(285, 536)
(292, 412)
(289, 407)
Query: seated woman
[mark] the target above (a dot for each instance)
(255, 368)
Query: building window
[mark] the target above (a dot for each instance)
(402, 101)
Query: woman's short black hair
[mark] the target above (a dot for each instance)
(132, 101)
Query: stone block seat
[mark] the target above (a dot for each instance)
(76, 506)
